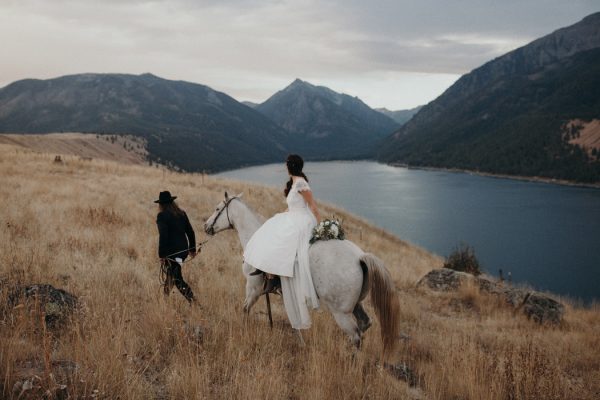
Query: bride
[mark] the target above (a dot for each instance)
(280, 246)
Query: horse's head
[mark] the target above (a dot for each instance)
(220, 220)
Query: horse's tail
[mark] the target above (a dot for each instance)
(384, 299)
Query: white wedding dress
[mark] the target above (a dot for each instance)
(280, 247)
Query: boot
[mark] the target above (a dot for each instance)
(272, 285)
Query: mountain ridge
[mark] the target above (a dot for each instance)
(325, 123)
(508, 115)
(190, 126)
(179, 119)
(400, 116)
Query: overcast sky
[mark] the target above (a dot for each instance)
(394, 54)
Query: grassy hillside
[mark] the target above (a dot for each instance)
(127, 149)
(88, 227)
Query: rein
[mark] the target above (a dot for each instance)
(211, 228)
(211, 231)
(164, 264)
(196, 247)
(166, 261)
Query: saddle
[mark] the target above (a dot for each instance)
(272, 285)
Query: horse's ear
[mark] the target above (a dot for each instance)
(240, 195)
(226, 196)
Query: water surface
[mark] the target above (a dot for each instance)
(545, 235)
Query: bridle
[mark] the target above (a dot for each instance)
(211, 228)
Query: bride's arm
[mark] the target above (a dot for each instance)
(308, 197)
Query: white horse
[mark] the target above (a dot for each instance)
(342, 274)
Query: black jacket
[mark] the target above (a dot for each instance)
(175, 235)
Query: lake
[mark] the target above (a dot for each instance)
(546, 235)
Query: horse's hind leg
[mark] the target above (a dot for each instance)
(348, 325)
(362, 318)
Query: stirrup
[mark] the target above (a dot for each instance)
(272, 285)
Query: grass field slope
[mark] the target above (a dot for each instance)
(88, 227)
(126, 149)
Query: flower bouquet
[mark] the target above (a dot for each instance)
(327, 229)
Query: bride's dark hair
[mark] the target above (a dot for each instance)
(294, 163)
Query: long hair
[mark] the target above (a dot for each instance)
(171, 207)
(294, 164)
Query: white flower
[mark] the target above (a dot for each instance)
(326, 230)
(335, 230)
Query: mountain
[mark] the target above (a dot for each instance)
(515, 114)
(400, 116)
(185, 124)
(327, 124)
(249, 104)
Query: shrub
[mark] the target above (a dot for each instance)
(463, 259)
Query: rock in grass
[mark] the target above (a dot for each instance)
(537, 306)
(515, 297)
(444, 279)
(57, 304)
(543, 309)
(402, 371)
(30, 385)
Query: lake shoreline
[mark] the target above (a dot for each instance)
(529, 229)
(523, 178)
(536, 179)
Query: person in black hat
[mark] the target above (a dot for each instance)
(176, 240)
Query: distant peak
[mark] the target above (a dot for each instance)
(299, 83)
(592, 17)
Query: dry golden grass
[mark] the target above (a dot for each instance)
(89, 228)
(588, 137)
(125, 149)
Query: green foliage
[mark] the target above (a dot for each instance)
(463, 259)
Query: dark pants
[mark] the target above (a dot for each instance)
(174, 277)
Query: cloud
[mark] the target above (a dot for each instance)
(252, 48)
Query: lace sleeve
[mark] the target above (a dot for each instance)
(302, 186)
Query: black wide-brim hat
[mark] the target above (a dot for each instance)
(165, 198)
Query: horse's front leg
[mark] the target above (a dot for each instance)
(254, 287)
